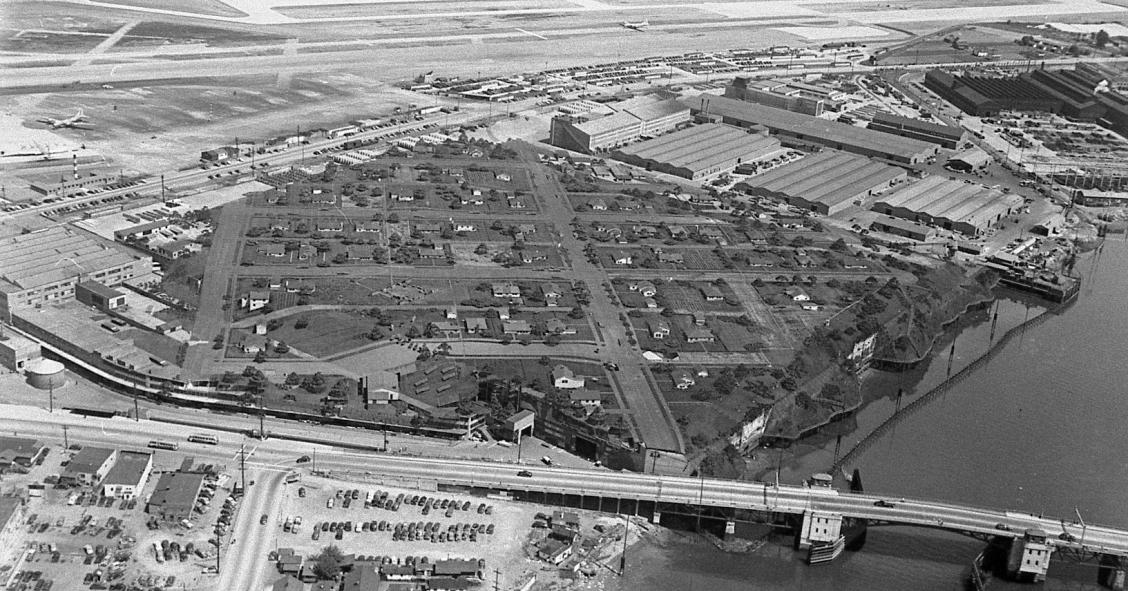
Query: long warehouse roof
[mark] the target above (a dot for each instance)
(808, 125)
(40, 258)
(939, 197)
(704, 146)
(829, 177)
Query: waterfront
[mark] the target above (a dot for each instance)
(1038, 429)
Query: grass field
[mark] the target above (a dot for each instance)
(328, 332)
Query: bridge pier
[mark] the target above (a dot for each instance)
(821, 535)
(1029, 557)
(730, 527)
(1113, 572)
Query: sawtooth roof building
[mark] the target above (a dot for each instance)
(633, 120)
(799, 129)
(967, 208)
(701, 151)
(827, 182)
(47, 265)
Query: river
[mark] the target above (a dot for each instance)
(1041, 428)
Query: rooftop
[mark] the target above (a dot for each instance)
(828, 177)
(177, 490)
(129, 468)
(938, 197)
(704, 146)
(52, 255)
(809, 126)
(88, 460)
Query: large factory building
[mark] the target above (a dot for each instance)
(827, 182)
(701, 151)
(967, 208)
(632, 120)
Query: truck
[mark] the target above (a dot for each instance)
(293, 477)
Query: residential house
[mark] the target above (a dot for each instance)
(683, 379)
(672, 258)
(557, 326)
(532, 255)
(476, 325)
(712, 293)
(428, 227)
(678, 232)
(255, 300)
(713, 233)
(699, 319)
(369, 226)
(586, 398)
(516, 327)
(360, 252)
(273, 250)
(517, 203)
(644, 231)
(527, 229)
(330, 226)
(445, 329)
(505, 291)
(698, 334)
(255, 344)
(434, 252)
(503, 176)
(302, 286)
(796, 294)
(565, 379)
(464, 227)
(659, 328)
(452, 313)
(623, 257)
(550, 290)
(650, 303)
(810, 306)
(645, 288)
(307, 252)
(598, 204)
(554, 551)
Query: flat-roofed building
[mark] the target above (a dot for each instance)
(780, 94)
(175, 495)
(967, 208)
(800, 129)
(73, 186)
(17, 351)
(944, 136)
(47, 265)
(633, 120)
(827, 182)
(89, 466)
(93, 293)
(129, 474)
(20, 451)
(701, 151)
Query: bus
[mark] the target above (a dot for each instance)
(203, 438)
(169, 445)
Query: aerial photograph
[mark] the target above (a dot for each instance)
(563, 295)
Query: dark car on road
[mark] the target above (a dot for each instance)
(525, 474)
(884, 503)
(264, 519)
(303, 459)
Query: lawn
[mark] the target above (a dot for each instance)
(328, 332)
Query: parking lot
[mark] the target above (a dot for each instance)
(75, 538)
(375, 519)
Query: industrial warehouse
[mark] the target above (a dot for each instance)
(800, 129)
(942, 135)
(827, 182)
(633, 120)
(47, 266)
(783, 94)
(967, 208)
(701, 151)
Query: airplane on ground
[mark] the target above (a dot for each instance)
(637, 26)
(77, 121)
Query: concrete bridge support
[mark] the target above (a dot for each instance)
(1113, 572)
(1029, 557)
(819, 528)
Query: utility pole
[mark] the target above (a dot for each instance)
(136, 409)
(51, 399)
(623, 556)
(497, 580)
(66, 442)
(243, 466)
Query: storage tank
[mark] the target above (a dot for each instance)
(46, 374)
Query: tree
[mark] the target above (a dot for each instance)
(327, 564)
(293, 379)
(1101, 39)
(481, 250)
(413, 332)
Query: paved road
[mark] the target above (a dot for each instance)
(269, 457)
(245, 562)
(644, 404)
